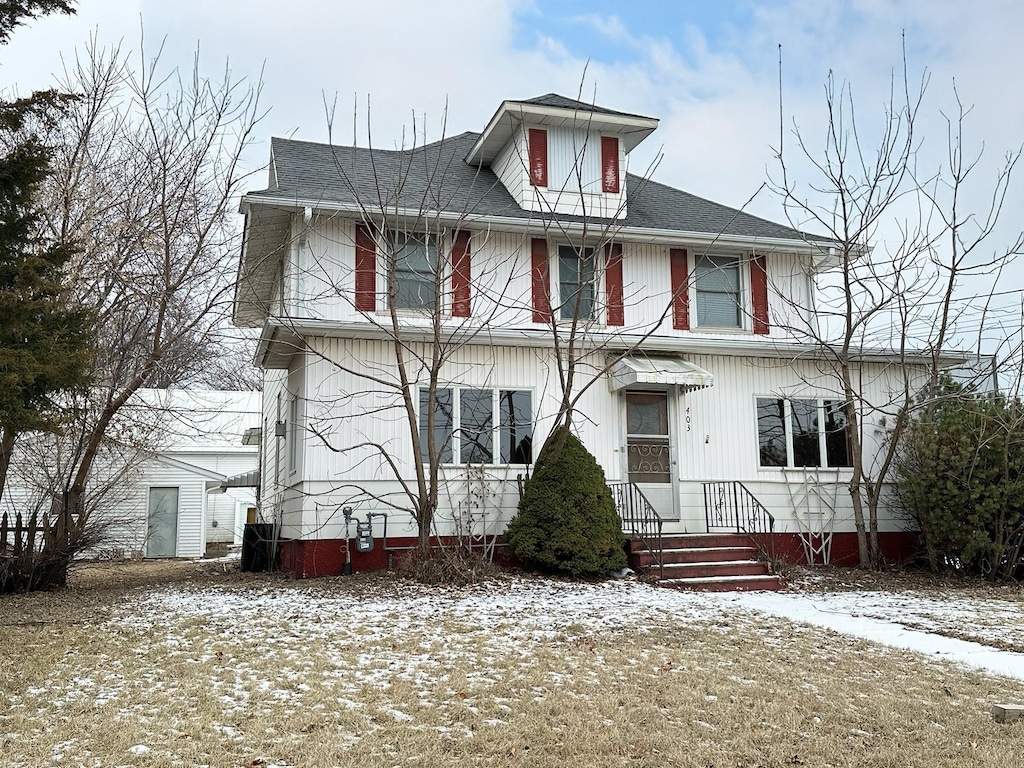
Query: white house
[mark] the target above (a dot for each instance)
(185, 500)
(688, 317)
(162, 481)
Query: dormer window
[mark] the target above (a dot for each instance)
(538, 139)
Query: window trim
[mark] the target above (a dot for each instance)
(745, 298)
(455, 436)
(822, 435)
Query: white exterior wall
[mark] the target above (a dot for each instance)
(647, 294)
(574, 173)
(275, 408)
(322, 285)
(130, 518)
(344, 409)
(222, 508)
(185, 439)
(721, 441)
(512, 168)
(715, 439)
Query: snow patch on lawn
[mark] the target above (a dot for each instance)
(502, 615)
(910, 621)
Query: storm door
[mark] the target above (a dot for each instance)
(649, 449)
(162, 534)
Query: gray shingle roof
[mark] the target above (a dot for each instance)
(563, 102)
(436, 177)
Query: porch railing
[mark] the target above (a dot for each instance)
(639, 519)
(730, 506)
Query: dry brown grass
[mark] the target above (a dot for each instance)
(110, 664)
(833, 579)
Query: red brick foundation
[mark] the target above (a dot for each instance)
(326, 557)
(897, 547)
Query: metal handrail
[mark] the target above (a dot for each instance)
(730, 506)
(639, 518)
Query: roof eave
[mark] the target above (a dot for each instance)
(493, 138)
(282, 337)
(534, 225)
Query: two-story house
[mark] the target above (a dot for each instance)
(492, 258)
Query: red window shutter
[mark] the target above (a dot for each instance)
(759, 294)
(538, 157)
(366, 270)
(680, 289)
(613, 283)
(460, 274)
(541, 272)
(610, 163)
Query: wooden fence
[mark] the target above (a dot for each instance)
(24, 537)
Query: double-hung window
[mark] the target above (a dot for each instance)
(802, 433)
(719, 292)
(576, 282)
(478, 426)
(415, 276)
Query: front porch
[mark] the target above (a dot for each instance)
(736, 553)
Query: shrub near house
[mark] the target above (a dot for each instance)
(960, 477)
(567, 520)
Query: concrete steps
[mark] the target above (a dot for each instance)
(713, 562)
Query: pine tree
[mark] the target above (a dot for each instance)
(44, 340)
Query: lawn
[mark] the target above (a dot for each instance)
(176, 664)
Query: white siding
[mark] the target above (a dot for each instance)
(221, 507)
(275, 405)
(511, 168)
(574, 174)
(647, 293)
(574, 160)
(128, 519)
(353, 407)
(501, 292)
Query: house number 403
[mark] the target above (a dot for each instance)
(688, 425)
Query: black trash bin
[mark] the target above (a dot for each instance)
(258, 547)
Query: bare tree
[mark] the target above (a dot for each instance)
(900, 304)
(418, 239)
(145, 179)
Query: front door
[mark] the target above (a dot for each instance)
(162, 534)
(649, 449)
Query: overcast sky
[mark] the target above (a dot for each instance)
(708, 70)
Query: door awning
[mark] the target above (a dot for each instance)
(662, 371)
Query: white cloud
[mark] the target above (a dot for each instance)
(718, 105)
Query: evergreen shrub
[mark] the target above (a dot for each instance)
(960, 478)
(566, 520)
